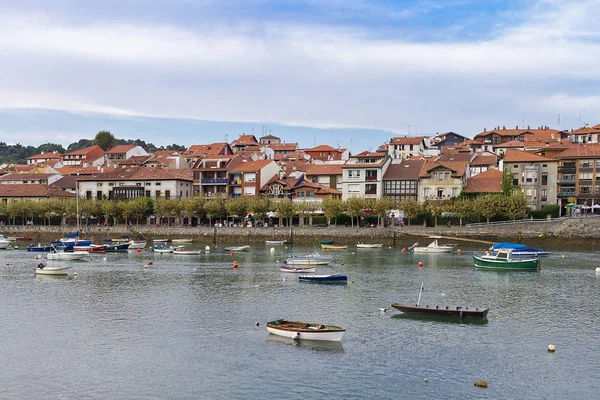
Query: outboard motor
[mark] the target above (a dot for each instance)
(413, 246)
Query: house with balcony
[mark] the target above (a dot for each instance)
(133, 182)
(401, 179)
(533, 174)
(248, 177)
(121, 153)
(53, 159)
(362, 175)
(486, 140)
(244, 141)
(210, 174)
(92, 155)
(442, 180)
(446, 139)
(579, 175)
(327, 153)
(407, 146)
(328, 175)
(29, 179)
(197, 151)
(585, 135)
(482, 162)
(280, 150)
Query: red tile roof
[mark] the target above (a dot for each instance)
(46, 156)
(324, 169)
(83, 151)
(405, 170)
(488, 159)
(34, 190)
(581, 151)
(25, 177)
(515, 155)
(121, 148)
(251, 166)
(489, 181)
(408, 140)
(322, 147)
(141, 173)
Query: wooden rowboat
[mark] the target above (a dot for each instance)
(304, 330)
(285, 268)
(187, 252)
(333, 247)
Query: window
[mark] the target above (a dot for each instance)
(148, 193)
(148, 184)
(544, 178)
(544, 195)
(354, 173)
(99, 195)
(371, 189)
(157, 183)
(440, 193)
(529, 176)
(310, 193)
(354, 188)
(300, 195)
(157, 194)
(167, 194)
(585, 189)
(585, 164)
(446, 176)
(516, 166)
(434, 176)
(99, 184)
(515, 179)
(426, 192)
(454, 192)
(88, 194)
(529, 194)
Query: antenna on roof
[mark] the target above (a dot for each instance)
(314, 141)
(226, 141)
(559, 119)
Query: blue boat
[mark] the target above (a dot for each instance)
(324, 278)
(39, 248)
(519, 249)
(117, 247)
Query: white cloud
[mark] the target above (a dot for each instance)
(305, 75)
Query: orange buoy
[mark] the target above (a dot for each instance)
(149, 262)
(235, 264)
(404, 249)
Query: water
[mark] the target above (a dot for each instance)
(185, 328)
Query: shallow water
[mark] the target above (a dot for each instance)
(185, 328)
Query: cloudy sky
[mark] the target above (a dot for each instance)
(159, 70)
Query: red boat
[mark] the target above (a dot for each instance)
(92, 248)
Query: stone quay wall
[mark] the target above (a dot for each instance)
(583, 230)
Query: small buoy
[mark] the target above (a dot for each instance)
(232, 254)
(597, 269)
(551, 348)
(443, 294)
(342, 263)
(404, 249)
(75, 273)
(352, 281)
(549, 328)
(296, 335)
(425, 380)
(563, 256)
(235, 264)
(382, 310)
(104, 259)
(149, 262)
(139, 250)
(272, 249)
(497, 317)
(37, 257)
(458, 251)
(8, 264)
(207, 248)
(420, 264)
(257, 324)
(284, 279)
(482, 384)
(16, 247)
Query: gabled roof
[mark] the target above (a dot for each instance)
(489, 181)
(202, 150)
(25, 177)
(46, 156)
(457, 167)
(319, 189)
(251, 166)
(268, 137)
(407, 140)
(141, 173)
(121, 148)
(586, 130)
(510, 144)
(455, 156)
(83, 151)
(405, 170)
(66, 182)
(487, 159)
(581, 151)
(283, 146)
(244, 140)
(32, 190)
(95, 170)
(68, 169)
(515, 155)
(324, 169)
(322, 147)
(134, 160)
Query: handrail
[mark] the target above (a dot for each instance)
(517, 221)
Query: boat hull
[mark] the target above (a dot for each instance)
(432, 249)
(4, 244)
(136, 245)
(52, 271)
(187, 252)
(163, 250)
(333, 247)
(182, 240)
(237, 248)
(91, 248)
(68, 256)
(503, 265)
(301, 261)
(308, 331)
(369, 245)
(284, 268)
(275, 242)
(458, 312)
(340, 279)
(40, 249)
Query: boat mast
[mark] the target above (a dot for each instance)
(420, 291)
(77, 201)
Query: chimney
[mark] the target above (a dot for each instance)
(528, 127)
(485, 129)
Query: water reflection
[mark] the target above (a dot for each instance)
(319, 345)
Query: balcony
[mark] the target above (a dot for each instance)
(370, 178)
(218, 180)
(236, 182)
(565, 194)
(235, 195)
(568, 169)
(566, 181)
(370, 191)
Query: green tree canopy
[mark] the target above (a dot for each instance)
(105, 140)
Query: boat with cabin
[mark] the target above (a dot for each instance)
(504, 260)
(4, 242)
(433, 247)
(520, 250)
(305, 330)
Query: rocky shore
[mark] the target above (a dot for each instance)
(576, 230)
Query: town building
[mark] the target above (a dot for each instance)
(363, 175)
(401, 179)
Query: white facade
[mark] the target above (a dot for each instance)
(169, 188)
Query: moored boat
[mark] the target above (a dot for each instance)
(328, 241)
(182, 240)
(305, 330)
(38, 248)
(433, 247)
(4, 242)
(443, 311)
(42, 269)
(333, 247)
(136, 244)
(163, 250)
(324, 278)
(503, 260)
(160, 240)
(237, 248)
(306, 269)
(92, 248)
(307, 259)
(187, 252)
(117, 247)
(369, 245)
(67, 255)
(275, 242)
(519, 249)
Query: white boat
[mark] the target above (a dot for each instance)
(275, 242)
(187, 252)
(3, 242)
(44, 270)
(67, 255)
(298, 269)
(160, 240)
(182, 240)
(369, 245)
(163, 250)
(307, 259)
(304, 330)
(133, 244)
(238, 248)
(433, 247)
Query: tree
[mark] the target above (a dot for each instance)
(105, 140)
(488, 205)
(215, 208)
(194, 207)
(462, 207)
(411, 209)
(354, 208)
(507, 181)
(382, 207)
(515, 206)
(237, 206)
(111, 208)
(285, 209)
(332, 207)
(435, 208)
(260, 206)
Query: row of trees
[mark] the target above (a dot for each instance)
(238, 208)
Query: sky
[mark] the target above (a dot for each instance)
(352, 73)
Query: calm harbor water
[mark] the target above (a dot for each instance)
(185, 328)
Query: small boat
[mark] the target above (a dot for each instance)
(182, 240)
(276, 242)
(333, 247)
(117, 247)
(285, 268)
(92, 248)
(519, 249)
(329, 241)
(4, 242)
(441, 311)
(237, 248)
(305, 330)
(122, 239)
(307, 259)
(433, 247)
(44, 270)
(187, 252)
(39, 248)
(160, 240)
(66, 255)
(503, 260)
(369, 245)
(163, 250)
(136, 244)
(323, 278)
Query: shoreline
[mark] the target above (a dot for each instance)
(585, 231)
